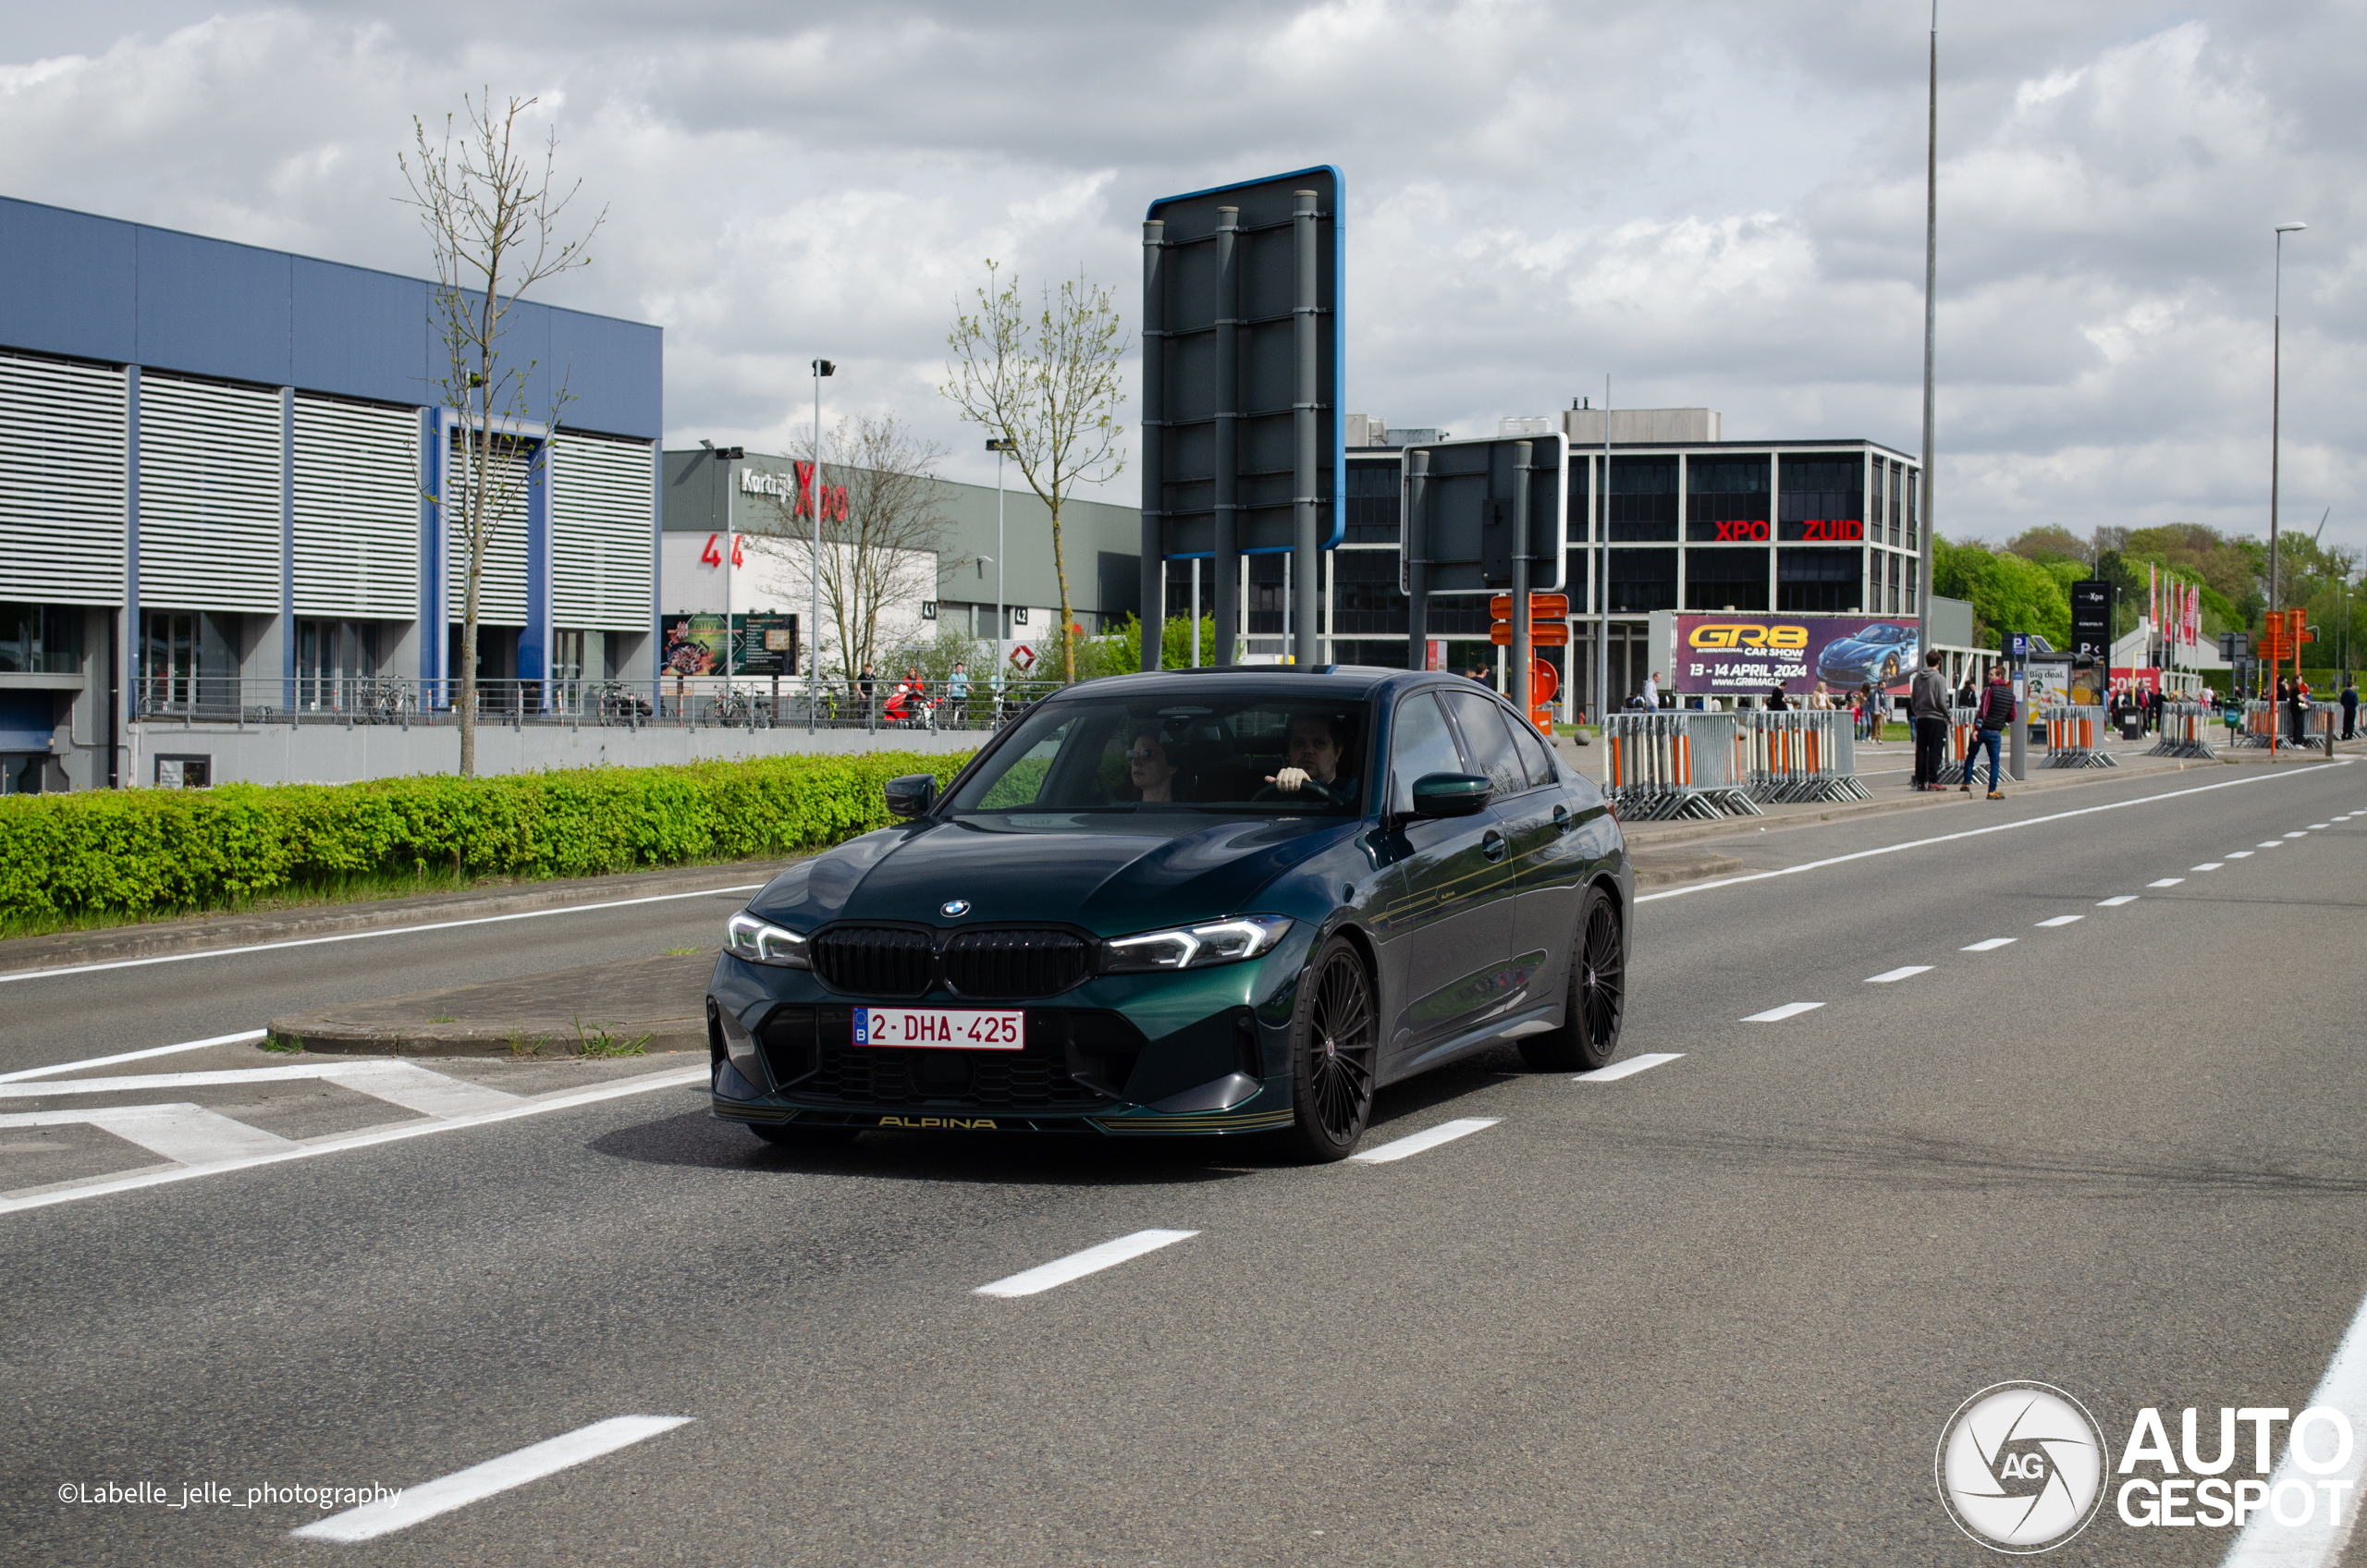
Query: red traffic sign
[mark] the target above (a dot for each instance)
(1543, 681)
(1024, 657)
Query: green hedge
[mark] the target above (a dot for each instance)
(141, 851)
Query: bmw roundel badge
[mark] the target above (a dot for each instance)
(954, 909)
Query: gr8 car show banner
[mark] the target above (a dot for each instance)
(1743, 655)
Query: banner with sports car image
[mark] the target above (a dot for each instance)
(1743, 655)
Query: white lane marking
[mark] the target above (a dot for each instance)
(2270, 844)
(461, 1487)
(1889, 975)
(2297, 835)
(398, 1082)
(240, 1038)
(1628, 1069)
(2166, 882)
(1430, 1138)
(404, 931)
(2240, 854)
(1990, 945)
(1692, 887)
(2319, 827)
(2208, 865)
(2116, 900)
(1077, 1265)
(186, 1134)
(392, 1133)
(1777, 1015)
(2061, 920)
(2318, 1542)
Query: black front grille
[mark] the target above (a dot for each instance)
(1010, 965)
(874, 961)
(1075, 1061)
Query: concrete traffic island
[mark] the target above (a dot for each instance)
(636, 1006)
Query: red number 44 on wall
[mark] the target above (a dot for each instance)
(714, 556)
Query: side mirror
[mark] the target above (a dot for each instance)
(912, 794)
(1450, 794)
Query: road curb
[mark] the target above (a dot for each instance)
(649, 1004)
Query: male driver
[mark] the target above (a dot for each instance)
(1927, 708)
(1995, 712)
(1314, 766)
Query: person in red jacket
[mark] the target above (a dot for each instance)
(1992, 715)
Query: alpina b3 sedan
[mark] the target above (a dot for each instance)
(1196, 902)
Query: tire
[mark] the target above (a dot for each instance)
(1335, 1055)
(1597, 1001)
(791, 1135)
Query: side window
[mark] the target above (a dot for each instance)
(1421, 743)
(1482, 723)
(1533, 753)
(1022, 782)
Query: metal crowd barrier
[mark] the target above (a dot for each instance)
(2075, 736)
(2321, 722)
(1800, 755)
(1964, 725)
(2182, 726)
(1673, 765)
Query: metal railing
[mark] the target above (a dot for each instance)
(700, 703)
(2321, 722)
(2075, 734)
(1802, 756)
(1673, 765)
(2182, 728)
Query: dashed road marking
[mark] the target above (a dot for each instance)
(2319, 827)
(2240, 854)
(1628, 1068)
(2297, 835)
(1906, 973)
(2166, 882)
(1430, 1138)
(2061, 920)
(1990, 945)
(1777, 1015)
(480, 1481)
(2208, 865)
(2270, 844)
(2116, 900)
(1077, 1265)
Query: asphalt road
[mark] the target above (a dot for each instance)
(1713, 1311)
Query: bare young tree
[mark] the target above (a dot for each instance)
(491, 218)
(884, 527)
(1046, 380)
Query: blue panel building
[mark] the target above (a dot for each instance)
(221, 473)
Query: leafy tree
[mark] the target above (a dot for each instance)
(2051, 544)
(2007, 593)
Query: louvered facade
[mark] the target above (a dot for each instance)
(357, 509)
(501, 591)
(62, 466)
(602, 512)
(210, 456)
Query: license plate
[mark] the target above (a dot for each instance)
(938, 1028)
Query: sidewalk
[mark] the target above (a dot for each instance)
(632, 1008)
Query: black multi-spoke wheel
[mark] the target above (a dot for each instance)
(1596, 999)
(1335, 1052)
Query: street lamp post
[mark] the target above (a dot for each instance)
(2276, 416)
(1001, 446)
(814, 605)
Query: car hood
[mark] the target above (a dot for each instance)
(1107, 879)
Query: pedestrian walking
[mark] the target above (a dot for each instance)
(1652, 691)
(1820, 700)
(2349, 709)
(1927, 710)
(2297, 705)
(1874, 701)
(1968, 694)
(1777, 701)
(1992, 715)
(957, 691)
(2154, 705)
(863, 684)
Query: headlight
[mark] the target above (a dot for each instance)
(1195, 947)
(760, 942)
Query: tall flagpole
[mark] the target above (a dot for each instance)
(1930, 279)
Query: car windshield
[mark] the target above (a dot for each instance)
(1237, 754)
(1883, 633)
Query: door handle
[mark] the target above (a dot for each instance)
(1561, 823)
(1492, 846)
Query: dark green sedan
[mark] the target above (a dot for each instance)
(1200, 901)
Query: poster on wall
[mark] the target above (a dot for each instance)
(693, 646)
(1744, 656)
(763, 644)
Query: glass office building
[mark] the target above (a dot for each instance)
(1800, 527)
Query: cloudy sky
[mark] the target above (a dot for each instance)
(1711, 204)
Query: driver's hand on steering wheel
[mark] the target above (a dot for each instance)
(1290, 781)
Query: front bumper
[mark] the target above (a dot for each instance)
(1198, 1053)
